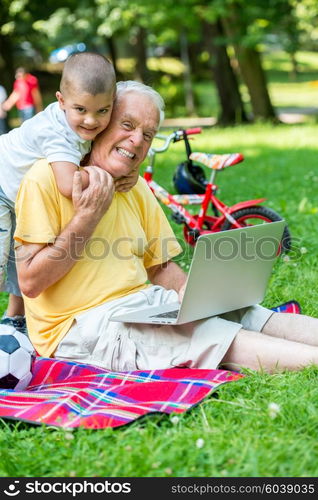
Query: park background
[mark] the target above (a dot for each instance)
(247, 73)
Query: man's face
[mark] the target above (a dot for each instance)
(127, 139)
(86, 114)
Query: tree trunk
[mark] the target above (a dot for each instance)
(8, 69)
(250, 65)
(294, 71)
(187, 81)
(142, 72)
(231, 104)
(197, 66)
(113, 52)
(254, 77)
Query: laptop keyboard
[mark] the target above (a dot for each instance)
(170, 314)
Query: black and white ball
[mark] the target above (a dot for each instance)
(16, 359)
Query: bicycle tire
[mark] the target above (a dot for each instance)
(259, 212)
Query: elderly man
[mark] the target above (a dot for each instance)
(80, 261)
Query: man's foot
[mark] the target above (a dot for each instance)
(18, 322)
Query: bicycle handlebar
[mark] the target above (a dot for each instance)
(177, 135)
(191, 131)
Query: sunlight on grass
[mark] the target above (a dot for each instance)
(302, 94)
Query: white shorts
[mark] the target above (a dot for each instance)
(116, 346)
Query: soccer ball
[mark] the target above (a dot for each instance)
(16, 358)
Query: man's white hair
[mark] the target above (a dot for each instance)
(141, 88)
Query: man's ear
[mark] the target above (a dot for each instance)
(60, 99)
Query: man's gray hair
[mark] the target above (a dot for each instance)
(141, 88)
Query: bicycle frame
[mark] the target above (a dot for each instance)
(196, 224)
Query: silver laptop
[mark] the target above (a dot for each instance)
(229, 270)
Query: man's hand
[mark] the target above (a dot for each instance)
(124, 184)
(95, 200)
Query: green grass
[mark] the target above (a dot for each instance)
(241, 436)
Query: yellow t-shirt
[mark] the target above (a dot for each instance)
(133, 235)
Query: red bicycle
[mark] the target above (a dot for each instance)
(223, 217)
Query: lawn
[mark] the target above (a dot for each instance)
(262, 425)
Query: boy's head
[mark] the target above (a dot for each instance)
(87, 91)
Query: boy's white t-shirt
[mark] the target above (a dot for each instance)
(46, 135)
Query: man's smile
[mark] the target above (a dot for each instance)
(125, 153)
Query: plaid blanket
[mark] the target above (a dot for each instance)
(291, 306)
(67, 394)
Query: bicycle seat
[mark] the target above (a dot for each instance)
(217, 162)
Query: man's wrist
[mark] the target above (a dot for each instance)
(84, 222)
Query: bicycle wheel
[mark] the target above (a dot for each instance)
(251, 216)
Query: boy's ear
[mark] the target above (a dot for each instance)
(60, 99)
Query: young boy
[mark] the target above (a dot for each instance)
(62, 134)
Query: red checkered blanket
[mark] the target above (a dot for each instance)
(69, 394)
(66, 394)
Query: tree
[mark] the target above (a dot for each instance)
(17, 18)
(231, 104)
(248, 56)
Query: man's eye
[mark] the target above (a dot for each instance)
(148, 137)
(127, 125)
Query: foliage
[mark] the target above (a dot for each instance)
(17, 19)
(139, 29)
(306, 13)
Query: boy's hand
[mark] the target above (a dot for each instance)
(125, 183)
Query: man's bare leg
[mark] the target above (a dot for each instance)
(296, 327)
(271, 354)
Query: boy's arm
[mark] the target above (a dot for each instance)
(64, 173)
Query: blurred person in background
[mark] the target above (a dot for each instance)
(3, 114)
(26, 95)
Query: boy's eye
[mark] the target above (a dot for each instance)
(104, 111)
(79, 109)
